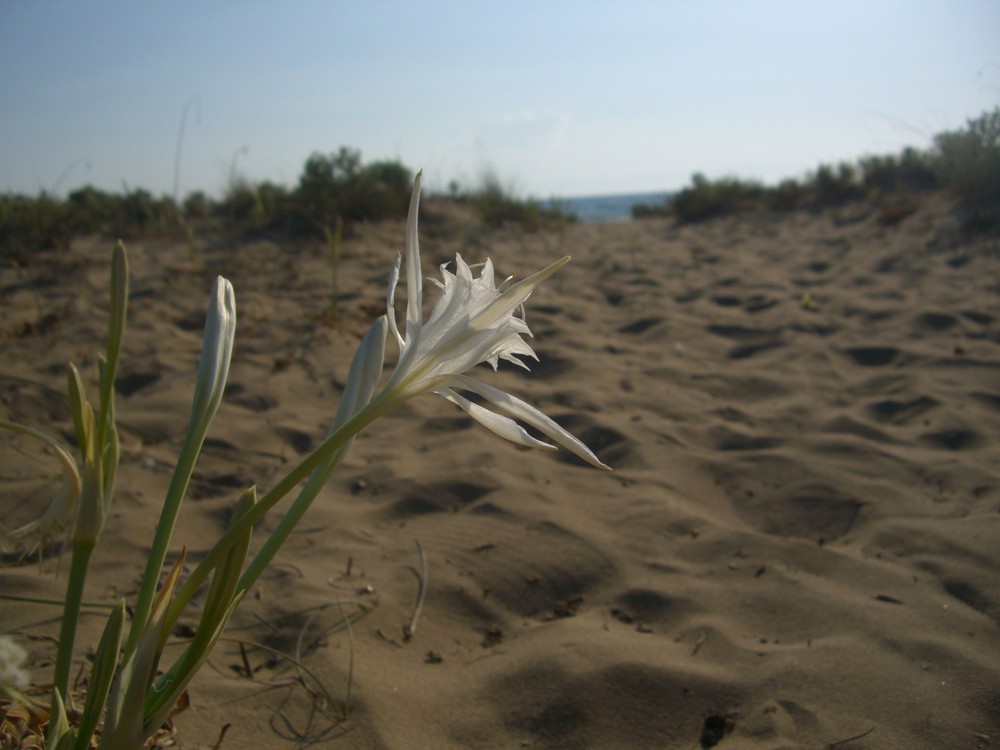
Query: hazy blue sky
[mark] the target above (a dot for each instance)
(559, 98)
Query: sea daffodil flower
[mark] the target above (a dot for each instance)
(472, 321)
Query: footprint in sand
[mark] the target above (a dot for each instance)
(640, 326)
(899, 412)
(517, 567)
(550, 366)
(256, 402)
(991, 400)
(131, 383)
(934, 321)
(611, 446)
(808, 509)
(449, 496)
(556, 707)
(956, 439)
(301, 442)
(194, 321)
(873, 356)
(971, 595)
(642, 606)
(750, 341)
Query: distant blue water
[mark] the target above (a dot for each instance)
(606, 207)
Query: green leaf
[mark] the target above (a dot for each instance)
(78, 404)
(58, 735)
(105, 664)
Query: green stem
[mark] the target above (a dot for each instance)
(289, 521)
(324, 452)
(71, 615)
(161, 540)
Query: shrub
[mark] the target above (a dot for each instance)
(911, 171)
(94, 210)
(242, 205)
(647, 211)
(834, 186)
(968, 164)
(197, 205)
(706, 199)
(916, 170)
(497, 206)
(788, 196)
(337, 187)
(27, 225)
(880, 173)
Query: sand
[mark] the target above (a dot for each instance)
(797, 548)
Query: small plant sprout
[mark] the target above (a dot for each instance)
(473, 321)
(333, 240)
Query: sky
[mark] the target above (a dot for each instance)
(557, 98)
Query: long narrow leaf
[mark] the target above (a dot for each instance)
(78, 404)
(123, 725)
(105, 664)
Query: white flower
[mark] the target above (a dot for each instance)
(12, 659)
(216, 352)
(472, 321)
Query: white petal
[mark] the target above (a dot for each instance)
(390, 300)
(486, 275)
(414, 280)
(366, 368)
(529, 414)
(502, 426)
(216, 351)
(481, 346)
(451, 309)
(514, 297)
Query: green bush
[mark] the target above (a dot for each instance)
(788, 196)
(916, 170)
(94, 211)
(968, 164)
(197, 205)
(647, 211)
(834, 186)
(142, 214)
(337, 187)
(706, 199)
(497, 206)
(322, 179)
(30, 224)
(242, 205)
(133, 214)
(880, 173)
(911, 171)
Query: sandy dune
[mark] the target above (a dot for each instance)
(799, 543)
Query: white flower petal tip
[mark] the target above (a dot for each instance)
(531, 416)
(216, 350)
(473, 321)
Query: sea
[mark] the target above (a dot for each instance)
(595, 208)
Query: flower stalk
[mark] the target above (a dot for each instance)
(213, 370)
(100, 451)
